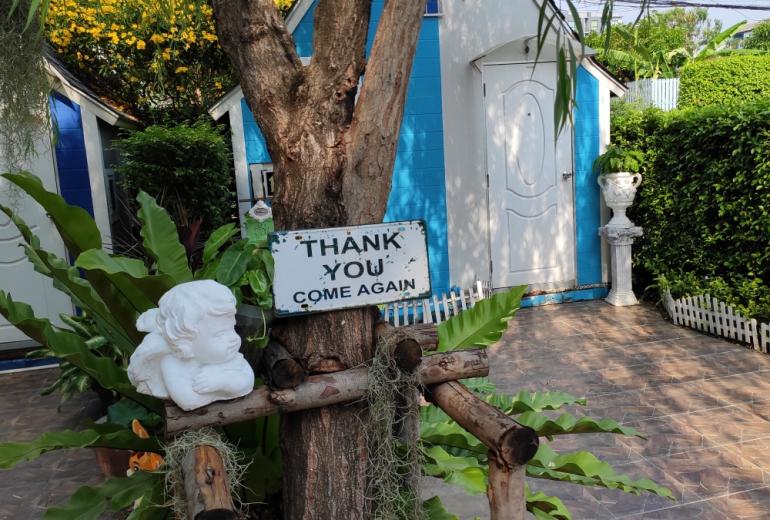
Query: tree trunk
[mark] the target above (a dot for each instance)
(333, 156)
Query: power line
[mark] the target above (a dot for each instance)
(688, 3)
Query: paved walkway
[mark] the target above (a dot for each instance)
(703, 403)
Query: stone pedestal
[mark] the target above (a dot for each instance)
(620, 240)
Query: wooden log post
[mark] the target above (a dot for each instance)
(510, 444)
(281, 369)
(318, 391)
(206, 490)
(505, 490)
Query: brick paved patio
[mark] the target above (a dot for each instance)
(703, 403)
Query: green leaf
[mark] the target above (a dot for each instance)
(217, 239)
(235, 262)
(465, 472)
(108, 436)
(433, 509)
(115, 322)
(451, 437)
(573, 467)
(161, 239)
(21, 316)
(567, 424)
(75, 225)
(481, 325)
(129, 276)
(73, 348)
(88, 503)
(546, 507)
(534, 401)
(125, 411)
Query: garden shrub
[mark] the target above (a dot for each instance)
(725, 80)
(704, 202)
(186, 167)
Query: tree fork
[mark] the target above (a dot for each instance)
(333, 158)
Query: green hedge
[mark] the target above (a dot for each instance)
(704, 201)
(188, 168)
(726, 80)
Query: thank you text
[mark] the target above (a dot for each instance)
(324, 269)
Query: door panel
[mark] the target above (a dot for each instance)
(17, 277)
(531, 206)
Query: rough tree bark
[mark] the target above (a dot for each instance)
(333, 157)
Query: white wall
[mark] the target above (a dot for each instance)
(468, 30)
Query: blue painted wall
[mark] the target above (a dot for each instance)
(587, 202)
(418, 190)
(71, 163)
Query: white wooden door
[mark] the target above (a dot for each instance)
(17, 276)
(530, 178)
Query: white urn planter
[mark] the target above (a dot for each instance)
(619, 190)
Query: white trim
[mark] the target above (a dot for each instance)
(240, 161)
(226, 103)
(95, 161)
(604, 211)
(605, 79)
(105, 113)
(297, 14)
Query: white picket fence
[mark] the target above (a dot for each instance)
(435, 309)
(708, 314)
(661, 93)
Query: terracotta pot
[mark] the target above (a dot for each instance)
(112, 462)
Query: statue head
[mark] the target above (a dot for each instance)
(197, 319)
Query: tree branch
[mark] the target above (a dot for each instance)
(254, 37)
(373, 136)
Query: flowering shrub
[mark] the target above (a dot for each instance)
(151, 58)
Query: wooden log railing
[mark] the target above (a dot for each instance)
(510, 444)
(319, 390)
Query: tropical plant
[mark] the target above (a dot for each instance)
(660, 43)
(759, 38)
(188, 169)
(618, 159)
(93, 348)
(454, 455)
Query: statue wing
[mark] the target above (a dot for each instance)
(144, 365)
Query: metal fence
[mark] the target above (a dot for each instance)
(661, 93)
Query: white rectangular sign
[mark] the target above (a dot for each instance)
(337, 268)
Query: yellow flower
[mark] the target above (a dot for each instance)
(157, 38)
(140, 44)
(180, 70)
(209, 37)
(166, 54)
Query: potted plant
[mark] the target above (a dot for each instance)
(619, 178)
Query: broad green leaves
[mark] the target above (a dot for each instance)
(218, 238)
(433, 509)
(481, 325)
(567, 424)
(545, 507)
(161, 240)
(75, 225)
(465, 472)
(11, 453)
(585, 468)
(89, 503)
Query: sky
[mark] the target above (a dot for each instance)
(728, 16)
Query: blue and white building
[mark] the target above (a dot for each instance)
(75, 161)
(504, 200)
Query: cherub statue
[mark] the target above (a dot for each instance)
(190, 353)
